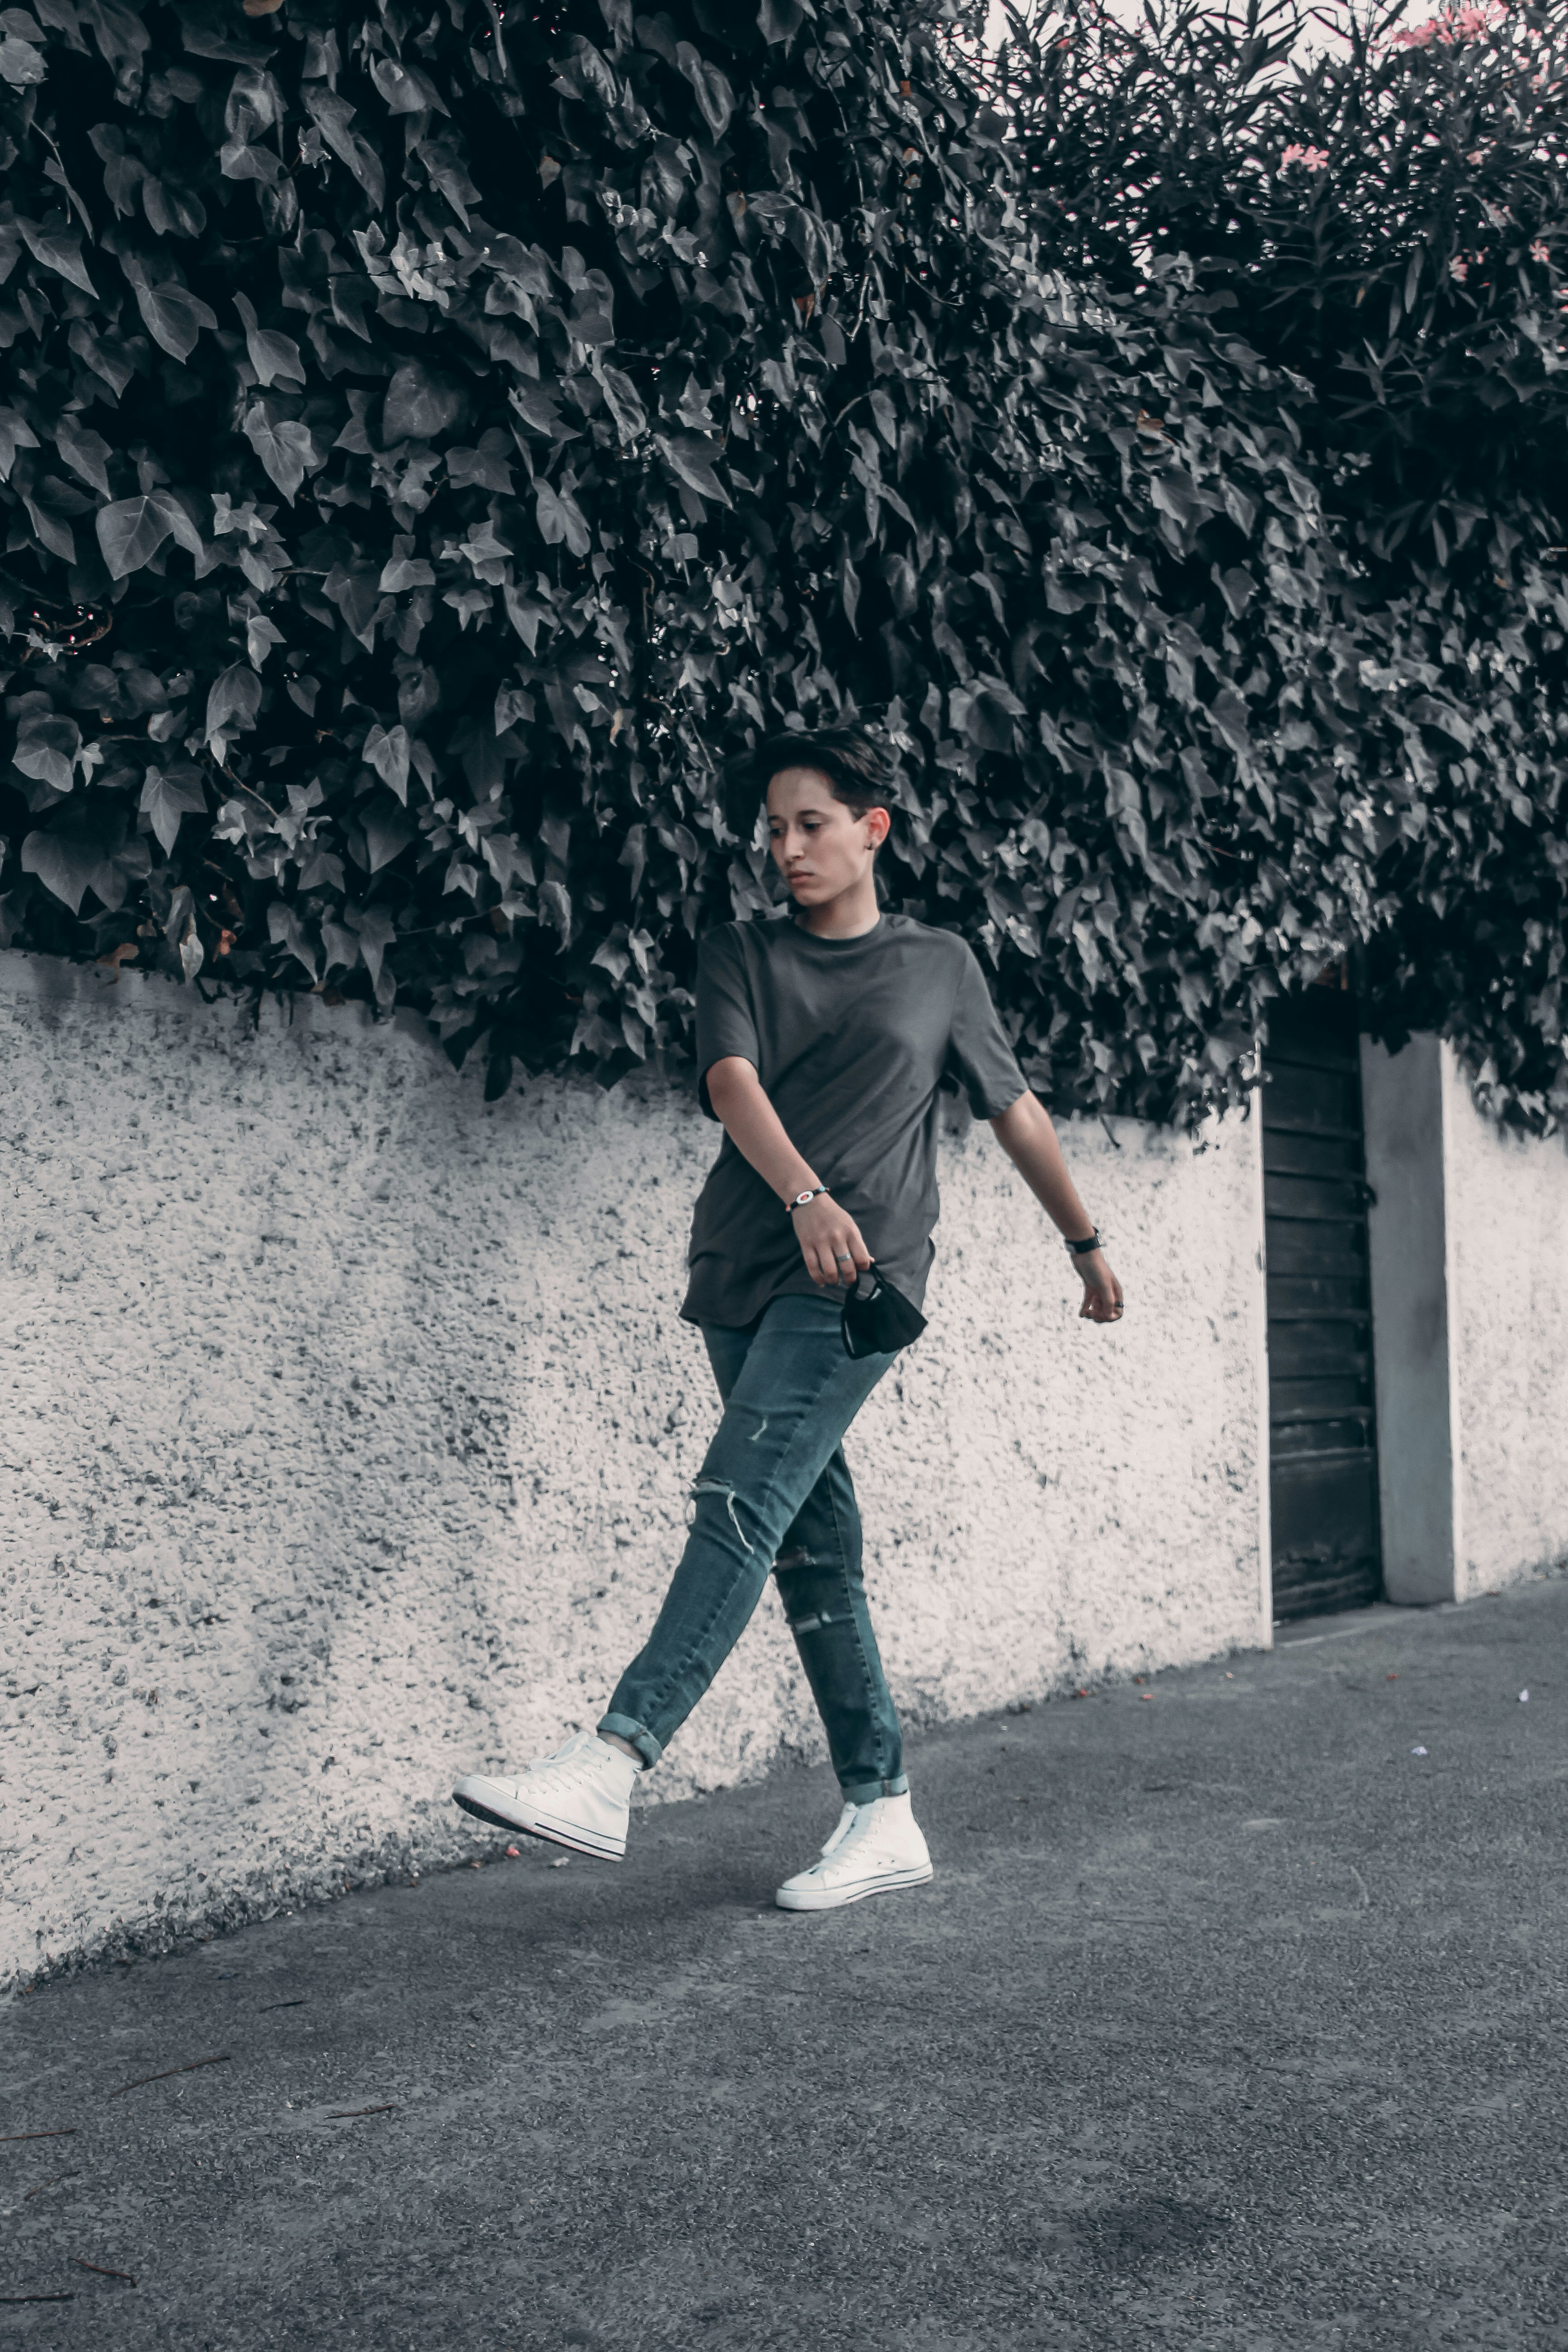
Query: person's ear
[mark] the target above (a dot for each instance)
(881, 825)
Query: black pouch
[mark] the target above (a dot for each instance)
(881, 1322)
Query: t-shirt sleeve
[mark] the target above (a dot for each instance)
(978, 1053)
(725, 1022)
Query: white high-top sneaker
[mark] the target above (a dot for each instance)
(874, 1850)
(578, 1796)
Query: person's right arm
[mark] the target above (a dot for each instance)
(822, 1228)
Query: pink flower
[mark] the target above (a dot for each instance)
(1459, 268)
(1538, 252)
(1310, 159)
(1457, 25)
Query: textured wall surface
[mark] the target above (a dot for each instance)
(348, 1421)
(1508, 1256)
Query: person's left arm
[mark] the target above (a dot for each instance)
(1026, 1135)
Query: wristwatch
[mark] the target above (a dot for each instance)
(801, 1199)
(1082, 1249)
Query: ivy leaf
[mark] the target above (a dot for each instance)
(51, 526)
(333, 115)
(712, 92)
(58, 250)
(420, 403)
(488, 466)
(285, 929)
(120, 35)
(261, 636)
(985, 713)
(132, 531)
(355, 589)
(233, 701)
(284, 447)
(406, 570)
(46, 748)
(1430, 712)
(22, 66)
(85, 453)
(1174, 494)
(122, 172)
(555, 909)
(16, 433)
(172, 212)
(240, 159)
(1237, 586)
(186, 534)
(387, 832)
(691, 459)
(386, 751)
(406, 89)
(376, 932)
(170, 793)
(105, 352)
(272, 355)
(172, 315)
(781, 20)
(63, 865)
(559, 518)
(621, 399)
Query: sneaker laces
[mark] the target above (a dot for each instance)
(861, 1829)
(841, 1828)
(575, 1761)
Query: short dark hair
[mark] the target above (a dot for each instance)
(857, 768)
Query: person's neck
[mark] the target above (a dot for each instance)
(853, 912)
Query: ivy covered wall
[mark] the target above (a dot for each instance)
(435, 439)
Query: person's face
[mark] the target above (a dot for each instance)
(819, 846)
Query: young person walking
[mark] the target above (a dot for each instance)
(821, 1038)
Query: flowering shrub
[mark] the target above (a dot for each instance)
(1411, 274)
(1454, 24)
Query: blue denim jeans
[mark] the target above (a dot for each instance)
(774, 1492)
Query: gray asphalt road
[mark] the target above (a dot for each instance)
(1230, 2020)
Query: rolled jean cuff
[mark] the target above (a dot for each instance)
(865, 1792)
(637, 1735)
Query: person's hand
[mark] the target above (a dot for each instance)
(1102, 1291)
(829, 1242)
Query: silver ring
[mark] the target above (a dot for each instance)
(842, 1257)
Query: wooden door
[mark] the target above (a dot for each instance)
(1322, 1429)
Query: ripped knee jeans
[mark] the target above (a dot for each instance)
(774, 1494)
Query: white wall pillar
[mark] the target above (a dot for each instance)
(1406, 1101)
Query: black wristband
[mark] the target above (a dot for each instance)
(1082, 1249)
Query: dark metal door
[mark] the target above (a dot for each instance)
(1322, 1429)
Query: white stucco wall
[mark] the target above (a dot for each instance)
(1407, 1101)
(1507, 1198)
(347, 1422)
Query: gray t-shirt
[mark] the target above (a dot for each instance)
(850, 1039)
